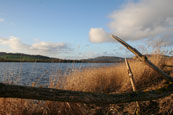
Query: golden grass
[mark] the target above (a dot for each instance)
(113, 79)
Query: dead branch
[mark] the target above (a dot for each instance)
(132, 81)
(143, 58)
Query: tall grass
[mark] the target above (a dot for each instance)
(112, 79)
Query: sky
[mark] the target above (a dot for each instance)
(80, 29)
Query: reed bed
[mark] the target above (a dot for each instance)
(112, 79)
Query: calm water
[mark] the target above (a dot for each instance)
(40, 73)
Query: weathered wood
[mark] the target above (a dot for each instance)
(49, 94)
(132, 81)
(143, 58)
(167, 65)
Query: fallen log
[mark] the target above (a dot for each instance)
(49, 94)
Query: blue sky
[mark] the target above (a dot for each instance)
(76, 28)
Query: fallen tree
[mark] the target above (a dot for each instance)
(49, 94)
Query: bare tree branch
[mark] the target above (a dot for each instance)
(143, 58)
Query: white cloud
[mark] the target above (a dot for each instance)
(2, 19)
(44, 48)
(148, 18)
(47, 46)
(99, 35)
(13, 43)
(144, 19)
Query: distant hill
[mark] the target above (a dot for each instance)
(107, 59)
(19, 57)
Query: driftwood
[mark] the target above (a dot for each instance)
(49, 94)
(143, 58)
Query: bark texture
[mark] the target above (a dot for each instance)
(49, 94)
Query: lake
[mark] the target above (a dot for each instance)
(24, 73)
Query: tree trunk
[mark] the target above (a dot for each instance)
(49, 94)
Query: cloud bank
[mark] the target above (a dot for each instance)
(44, 48)
(150, 19)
